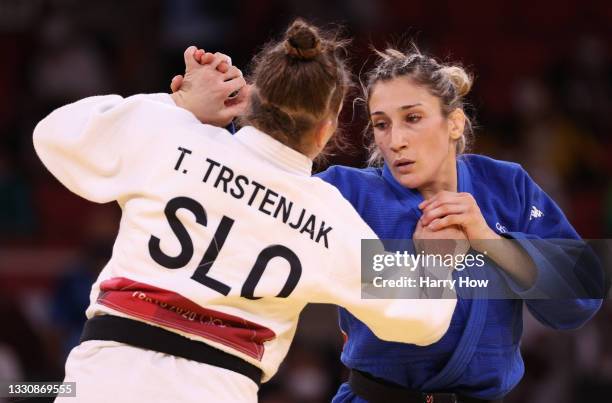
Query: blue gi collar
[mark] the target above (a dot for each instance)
(464, 180)
(412, 197)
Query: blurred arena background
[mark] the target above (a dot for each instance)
(542, 96)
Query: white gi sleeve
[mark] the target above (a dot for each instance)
(95, 147)
(416, 321)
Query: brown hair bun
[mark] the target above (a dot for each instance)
(299, 81)
(302, 41)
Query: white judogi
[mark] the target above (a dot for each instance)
(107, 371)
(215, 227)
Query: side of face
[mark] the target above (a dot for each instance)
(416, 140)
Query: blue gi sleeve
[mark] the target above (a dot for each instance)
(570, 279)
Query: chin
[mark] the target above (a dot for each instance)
(411, 180)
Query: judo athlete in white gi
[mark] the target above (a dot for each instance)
(223, 239)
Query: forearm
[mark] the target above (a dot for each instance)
(511, 258)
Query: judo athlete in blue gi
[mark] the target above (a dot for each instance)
(427, 188)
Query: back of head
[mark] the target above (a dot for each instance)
(299, 81)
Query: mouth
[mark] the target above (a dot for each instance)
(403, 163)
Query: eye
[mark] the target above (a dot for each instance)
(413, 118)
(380, 125)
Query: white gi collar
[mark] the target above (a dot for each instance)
(274, 151)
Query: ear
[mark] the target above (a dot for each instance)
(324, 133)
(456, 123)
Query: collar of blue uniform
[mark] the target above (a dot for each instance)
(274, 151)
(405, 193)
(464, 181)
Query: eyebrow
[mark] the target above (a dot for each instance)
(403, 108)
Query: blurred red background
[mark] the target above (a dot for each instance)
(542, 97)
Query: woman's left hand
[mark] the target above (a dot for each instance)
(446, 209)
(451, 208)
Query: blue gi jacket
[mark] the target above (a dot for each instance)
(479, 356)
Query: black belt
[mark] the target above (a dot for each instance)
(139, 334)
(378, 391)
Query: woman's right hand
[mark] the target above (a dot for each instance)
(205, 88)
(201, 57)
(449, 240)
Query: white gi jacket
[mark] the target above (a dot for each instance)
(223, 239)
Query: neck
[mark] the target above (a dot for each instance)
(309, 152)
(444, 179)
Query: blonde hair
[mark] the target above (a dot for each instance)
(449, 83)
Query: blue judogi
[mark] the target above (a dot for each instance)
(479, 356)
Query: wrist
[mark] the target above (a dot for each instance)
(490, 234)
(481, 244)
(181, 102)
(178, 99)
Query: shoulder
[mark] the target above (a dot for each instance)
(495, 173)
(487, 166)
(351, 181)
(500, 183)
(345, 176)
(160, 112)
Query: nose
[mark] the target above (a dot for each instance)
(398, 141)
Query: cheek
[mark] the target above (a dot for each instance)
(436, 140)
(378, 139)
(381, 143)
(433, 149)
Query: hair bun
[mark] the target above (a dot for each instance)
(302, 41)
(460, 79)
